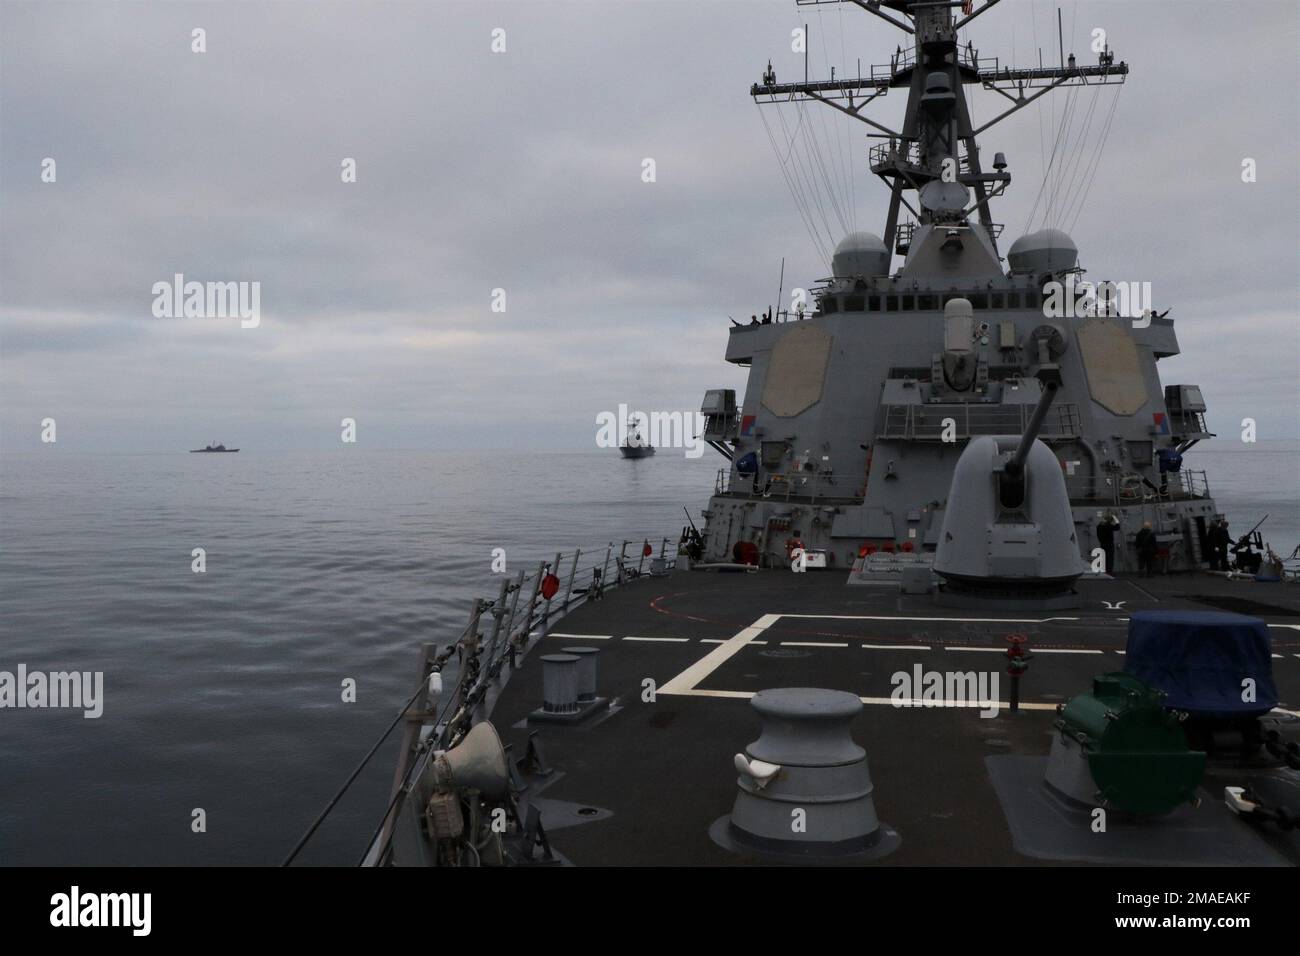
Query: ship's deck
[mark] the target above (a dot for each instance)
(662, 770)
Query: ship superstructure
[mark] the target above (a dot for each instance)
(925, 337)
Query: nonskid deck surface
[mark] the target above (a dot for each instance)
(662, 768)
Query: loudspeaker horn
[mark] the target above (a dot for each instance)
(478, 761)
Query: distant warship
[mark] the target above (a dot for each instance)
(212, 448)
(971, 471)
(634, 446)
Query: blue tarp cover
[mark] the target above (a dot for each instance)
(1200, 658)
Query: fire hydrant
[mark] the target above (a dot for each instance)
(1018, 658)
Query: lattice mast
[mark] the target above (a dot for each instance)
(937, 146)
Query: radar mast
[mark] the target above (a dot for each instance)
(935, 154)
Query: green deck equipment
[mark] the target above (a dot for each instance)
(1120, 747)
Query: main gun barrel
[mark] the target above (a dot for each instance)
(1035, 424)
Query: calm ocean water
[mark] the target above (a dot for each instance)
(222, 690)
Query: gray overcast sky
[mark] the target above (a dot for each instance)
(522, 171)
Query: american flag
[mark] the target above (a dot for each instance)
(966, 6)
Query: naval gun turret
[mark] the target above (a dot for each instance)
(1008, 532)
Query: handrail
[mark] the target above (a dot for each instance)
(486, 665)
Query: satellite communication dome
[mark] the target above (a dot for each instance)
(1048, 250)
(860, 254)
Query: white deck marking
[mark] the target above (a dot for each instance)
(661, 640)
(685, 682)
(884, 701)
(585, 637)
(1032, 650)
(1294, 627)
(968, 620)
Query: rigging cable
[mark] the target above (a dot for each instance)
(1076, 162)
(802, 176)
(804, 213)
(833, 148)
(1074, 152)
(1047, 175)
(1101, 149)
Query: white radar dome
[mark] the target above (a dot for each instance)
(1048, 250)
(860, 254)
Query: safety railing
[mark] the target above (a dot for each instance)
(499, 629)
(960, 420)
(488, 650)
(1132, 488)
(906, 59)
(893, 152)
(811, 487)
(906, 230)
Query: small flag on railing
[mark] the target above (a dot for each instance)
(966, 6)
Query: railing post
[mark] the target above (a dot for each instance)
(514, 604)
(641, 562)
(546, 612)
(604, 571)
(413, 719)
(663, 549)
(471, 640)
(622, 561)
(498, 619)
(414, 714)
(532, 601)
(573, 573)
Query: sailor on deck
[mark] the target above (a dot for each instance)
(1219, 540)
(1146, 549)
(1106, 529)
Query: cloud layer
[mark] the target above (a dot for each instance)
(522, 171)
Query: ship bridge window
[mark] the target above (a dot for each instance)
(830, 305)
(1031, 300)
(979, 300)
(998, 300)
(873, 303)
(925, 302)
(909, 303)
(891, 303)
(1013, 300)
(853, 303)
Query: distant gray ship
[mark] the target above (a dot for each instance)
(634, 446)
(212, 448)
